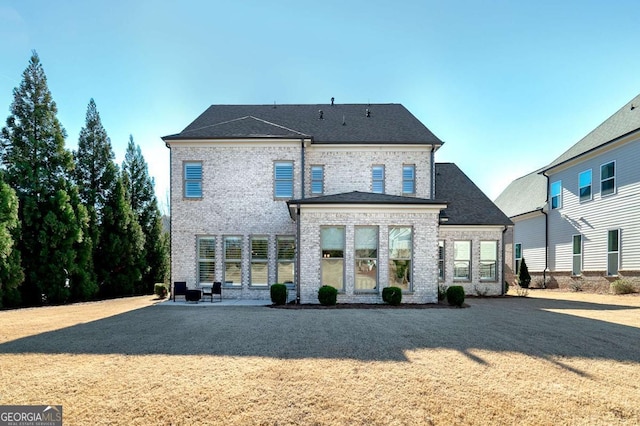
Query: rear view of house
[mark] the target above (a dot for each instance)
(347, 195)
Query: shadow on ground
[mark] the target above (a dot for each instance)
(512, 324)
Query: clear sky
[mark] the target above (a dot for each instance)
(507, 85)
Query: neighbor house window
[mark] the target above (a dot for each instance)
(286, 253)
(577, 255)
(232, 261)
(206, 260)
(366, 257)
(556, 195)
(259, 261)
(332, 262)
(518, 257)
(441, 260)
(408, 179)
(462, 260)
(608, 178)
(613, 251)
(584, 185)
(377, 179)
(192, 179)
(400, 256)
(317, 180)
(488, 260)
(283, 179)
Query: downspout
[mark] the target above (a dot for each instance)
(170, 216)
(302, 181)
(546, 236)
(506, 227)
(433, 173)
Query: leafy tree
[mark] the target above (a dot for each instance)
(11, 274)
(141, 195)
(524, 279)
(119, 261)
(38, 168)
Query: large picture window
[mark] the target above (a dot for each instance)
(400, 256)
(608, 178)
(577, 255)
(232, 261)
(332, 262)
(556, 195)
(613, 251)
(286, 253)
(206, 260)
(283, 179)
(366, 258)
(192, 179)
(584, 185)
(462, 260)
(259, 261)
(488, 260)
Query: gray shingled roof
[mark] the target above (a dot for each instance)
(388, 123)
(467, 204)
(624, 121)
(357, 197)
(524, 195)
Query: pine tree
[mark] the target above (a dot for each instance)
(141, 195)
(524, 279)
(38, 168)
(11, 274)
(119, 262)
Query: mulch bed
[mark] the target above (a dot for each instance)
(369, 306)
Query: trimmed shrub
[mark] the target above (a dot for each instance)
(524, 279)
(327, 295)
(278, 294)
(392, 295)
(160, 289)
(621, 287)
(455, 295)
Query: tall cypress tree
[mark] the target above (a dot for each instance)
(141, 195)
(11, 274)
(38, 167)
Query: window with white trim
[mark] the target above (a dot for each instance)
(408, 179)
(441, 260)
(206, 260)
(286, 256)
(400, 256)
(317, 180)
(613, 252)
(332, 262)
(518, 257)
(556, 194)
(366, 258)
(577, 255)
(488, 260)
(584, 185)
(259, 261)
(283, 179)
(608, 179)
(232, 261)
(462, 260)
(192, 179)
(377, 179)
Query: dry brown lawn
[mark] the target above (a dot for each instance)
(552, 358)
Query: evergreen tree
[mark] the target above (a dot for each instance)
(524, 279)
(38, 168)
(11, 274)
(141, 195)
(119, 262)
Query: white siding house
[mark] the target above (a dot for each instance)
(314, 195)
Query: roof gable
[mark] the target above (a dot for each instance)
(524, 195)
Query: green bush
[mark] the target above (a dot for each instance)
(160, 289)
(278, 294)
(621, 287)
(524, 279)
(455, 295)
(392, 295)
(327, 295)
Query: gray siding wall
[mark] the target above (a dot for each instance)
(531, 234)
(594, 218)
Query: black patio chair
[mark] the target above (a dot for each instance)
(179, 289)
(216, 289)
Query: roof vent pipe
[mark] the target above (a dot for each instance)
(320, 115)
(332, 99)
(368, 113)
(344, 123)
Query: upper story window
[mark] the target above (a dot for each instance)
(584, 185)
(283, 179)
(377, 179)
(409, 179)
(317, 180)
(608, 178)
(556, 194)
(192, 179)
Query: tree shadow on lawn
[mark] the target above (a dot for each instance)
(501, 325)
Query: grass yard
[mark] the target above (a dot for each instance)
(552, 358)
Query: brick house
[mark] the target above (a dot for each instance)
(347, 195)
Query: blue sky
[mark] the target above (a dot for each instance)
(508, 85)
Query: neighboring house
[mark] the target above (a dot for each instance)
(591, 222)
(340, 195)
